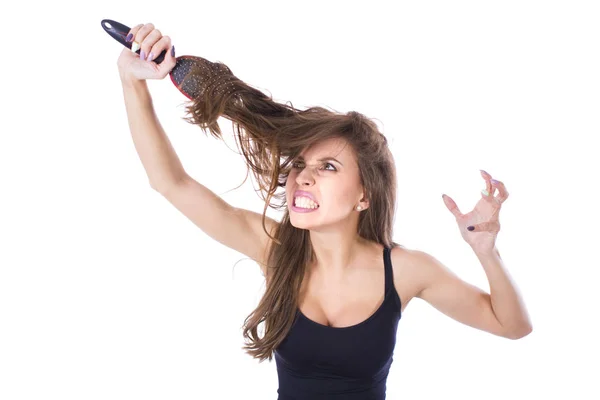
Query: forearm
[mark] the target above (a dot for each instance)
(154, 149)
(506, 300)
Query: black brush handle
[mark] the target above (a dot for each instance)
(119, 32)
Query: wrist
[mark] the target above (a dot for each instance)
(128, 80)
(493, 252)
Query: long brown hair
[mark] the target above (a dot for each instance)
(271, 135)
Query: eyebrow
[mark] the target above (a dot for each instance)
(324, 159)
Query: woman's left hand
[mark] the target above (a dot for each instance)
(484, 217)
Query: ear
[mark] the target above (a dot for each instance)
(364, 203)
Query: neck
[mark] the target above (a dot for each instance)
(335, 252)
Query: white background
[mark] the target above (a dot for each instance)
(108, 292)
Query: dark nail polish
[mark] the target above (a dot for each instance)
(470, 228)
(173, 51)
(129, 38)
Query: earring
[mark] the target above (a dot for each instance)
(358, 208)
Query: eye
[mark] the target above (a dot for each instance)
(295, 165)
(334, 169)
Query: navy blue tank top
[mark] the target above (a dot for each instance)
(317, 362)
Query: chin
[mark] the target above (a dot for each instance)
(298, 221)
(300, 226)
(302, 220)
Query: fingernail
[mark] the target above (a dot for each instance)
(470, 228)
(135, 46)
(129, 37)
(495, 182)
(150, 57)
(173, 51)
(142, 55)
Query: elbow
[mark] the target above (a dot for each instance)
(521, 333)
(165, 187)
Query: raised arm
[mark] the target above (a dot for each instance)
(236, 228)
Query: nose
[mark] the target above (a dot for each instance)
(305, 176)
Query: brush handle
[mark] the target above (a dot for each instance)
(119, 32)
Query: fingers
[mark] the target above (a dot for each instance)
(491, 226)
(151, 43)
(145, 36)
(492, 185)
(488, 191)
(452, 206)
(164, 43)
(135, 45)
(502, 192)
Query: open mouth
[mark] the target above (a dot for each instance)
(303, 202)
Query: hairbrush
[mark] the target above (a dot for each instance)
(191, 75)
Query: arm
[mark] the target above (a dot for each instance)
(237, 228)
(505, 298)
(502, 313)
(158, 157)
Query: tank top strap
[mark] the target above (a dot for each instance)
(387, 261)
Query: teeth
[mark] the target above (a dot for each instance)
(304, 202)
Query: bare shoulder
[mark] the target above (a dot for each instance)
(405, 265)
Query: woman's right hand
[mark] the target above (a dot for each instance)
(152, 43)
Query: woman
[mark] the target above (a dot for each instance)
(336, 282)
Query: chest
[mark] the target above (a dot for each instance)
(353, 299)
(342, 303)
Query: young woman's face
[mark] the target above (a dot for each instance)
(328, 171)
